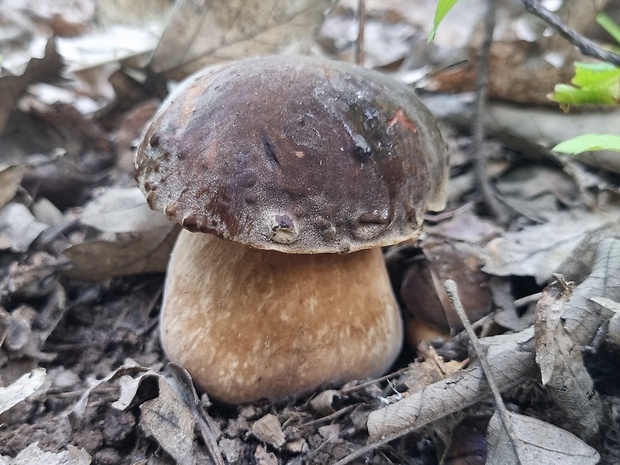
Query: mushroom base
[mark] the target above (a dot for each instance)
(250, 324)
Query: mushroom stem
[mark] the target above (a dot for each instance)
(306, 320)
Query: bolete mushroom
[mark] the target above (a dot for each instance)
(288, 174)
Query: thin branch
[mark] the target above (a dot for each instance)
(359, 43)
(452, 291)
(477, 126)
(586, 46)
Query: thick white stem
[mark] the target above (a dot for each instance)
(249, 323)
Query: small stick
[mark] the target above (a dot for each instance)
(585, 46)
(477, 126)
(359, 43)
(528, 299)
(452, 290)
(349, 390)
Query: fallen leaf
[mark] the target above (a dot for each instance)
(112, 45)
(142, 245)
(466, 227)
(538, 442)
(138, 12)
(33, 454)
(613, 328)
(10, 179)
(547, 323)
(200, 34)
(129, 366)
(539, 250)
(98, 259)
(171, 423)
(268, 429)
(37, 69)
(64, 17)
(422, 292)
(123, 210)
(511, 358)
(21, 389)
(578, 266)
(561, 364)
(582, 317)
(538, 188)
(18, 227)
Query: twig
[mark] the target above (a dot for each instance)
(586, 46)
(328, 418)
(345, 391)
(452, 290)
(528, 299)
(359, 43)
(477, 126)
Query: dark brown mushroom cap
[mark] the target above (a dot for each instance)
(294, 154)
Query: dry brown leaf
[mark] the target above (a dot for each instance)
(171, 423)
(99, 260)
(539, 442)
(64, 18)
(569, 383)
(466, 227)
(583, 317)
(268, 429)
(540, 189)
(202, 33)
(123, 210)
(34, 455)
(130, 366)
(430, 370)
(512, 361)
(142, 245)
(613, 329)
(38, 69)
(547, 325)
(131, 11)
(539, 250)
(18, 227)
(21, 389)
(578, 266)
(10, 179)
(561, 365)
(110, 46)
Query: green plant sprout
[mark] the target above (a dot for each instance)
(594, 83)
(443, 7)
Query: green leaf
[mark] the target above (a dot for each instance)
(596, 75)
(588, 143)
(609, 25)
(569, 95)
(443, 7)
(594, 83)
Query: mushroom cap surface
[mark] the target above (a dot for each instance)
(294, 154)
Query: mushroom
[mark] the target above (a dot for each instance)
(288, 174)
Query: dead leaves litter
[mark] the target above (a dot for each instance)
(21, 389)
(539, 442)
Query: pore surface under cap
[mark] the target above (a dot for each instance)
(294, 154)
